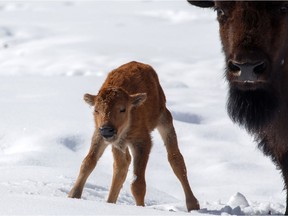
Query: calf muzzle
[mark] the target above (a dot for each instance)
(107, 131)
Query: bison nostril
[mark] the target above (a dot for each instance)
(234, 68)
(259, 68)
(107, 132)
(247, 71)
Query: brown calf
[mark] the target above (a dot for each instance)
(130, 104)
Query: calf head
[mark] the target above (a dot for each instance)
(112, 111)
(254, 37)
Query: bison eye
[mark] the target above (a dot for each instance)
(221, 15)
(96, 111)
(284, 9)
(122, 110)
(220, 12)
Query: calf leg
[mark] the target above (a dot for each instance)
(120, 169)
(96, 150)
(140, 151)
(167, 131)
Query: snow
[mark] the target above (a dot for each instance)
(238, 200)
(53, 52)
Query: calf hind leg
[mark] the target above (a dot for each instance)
(120, 169)
(167, 131)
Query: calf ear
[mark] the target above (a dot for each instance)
(90, 99)
(138, 99)
(203, 4)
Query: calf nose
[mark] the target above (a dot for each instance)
(107, 132)
(248, 71)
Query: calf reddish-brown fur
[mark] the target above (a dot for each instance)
(254, 35)
(129, 105)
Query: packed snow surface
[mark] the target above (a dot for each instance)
(53, 52)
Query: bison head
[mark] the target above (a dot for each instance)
(254, 37)
(112, 111)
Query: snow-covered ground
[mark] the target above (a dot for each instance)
(52, 52)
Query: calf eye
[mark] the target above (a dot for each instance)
(96, 111)
(122, 110)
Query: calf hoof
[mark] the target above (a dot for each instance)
(75, 194)
(192, 205)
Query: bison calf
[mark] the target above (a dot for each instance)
(129, 105)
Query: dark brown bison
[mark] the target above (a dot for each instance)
(254, 36)
(129, 105)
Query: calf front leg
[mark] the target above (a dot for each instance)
(120, 169)
(167, 131)
(96, 150)
(140, 151)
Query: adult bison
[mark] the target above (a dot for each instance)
(254, 36)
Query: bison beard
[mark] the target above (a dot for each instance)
(252, 109)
